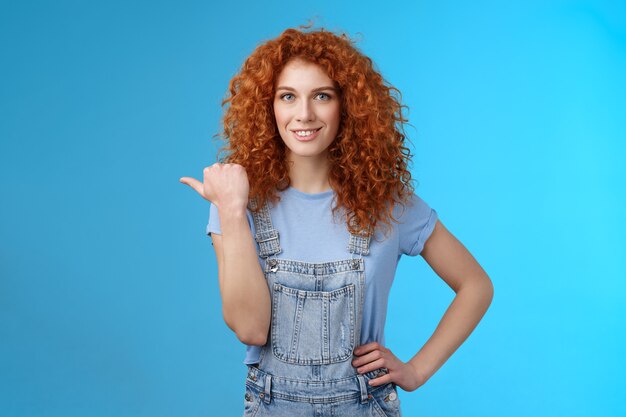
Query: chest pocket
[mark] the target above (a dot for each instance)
(313, 327)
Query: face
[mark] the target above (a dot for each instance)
(307, 107)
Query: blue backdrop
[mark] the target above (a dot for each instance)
(109, 299)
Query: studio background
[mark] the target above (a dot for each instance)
(109, 299)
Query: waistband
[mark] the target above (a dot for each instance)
(312, 391)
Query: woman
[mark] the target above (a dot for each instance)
(310, 213)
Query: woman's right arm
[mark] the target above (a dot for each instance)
(246, 305)
(245, 295)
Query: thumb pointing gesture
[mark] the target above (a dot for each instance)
(225, 185)
(195, 184)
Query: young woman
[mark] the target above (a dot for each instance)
(310, 213)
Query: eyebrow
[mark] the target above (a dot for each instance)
(284, 87)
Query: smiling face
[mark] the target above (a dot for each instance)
(307, 107)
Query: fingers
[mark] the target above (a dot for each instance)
(381, 380)
(368, 347)
(371, 366)
(367, 358)
(193, 183)
(372, 356)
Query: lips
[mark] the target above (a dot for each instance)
(305, 129)
(306, 138)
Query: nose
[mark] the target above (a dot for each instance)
(305, 112)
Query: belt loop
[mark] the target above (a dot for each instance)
(268, 386)
(363, 387)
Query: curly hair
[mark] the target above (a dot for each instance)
(368, 159)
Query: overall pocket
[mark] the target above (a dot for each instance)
(386, 401)
(313, 327)
(251, 401)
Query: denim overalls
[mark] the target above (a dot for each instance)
(305, 368)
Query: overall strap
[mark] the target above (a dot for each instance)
(359, 245)
(266, 236)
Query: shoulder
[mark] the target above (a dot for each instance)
(413, 207)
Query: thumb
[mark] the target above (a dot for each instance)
(193, 183)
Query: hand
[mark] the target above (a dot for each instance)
(372, 356)
(225, 185)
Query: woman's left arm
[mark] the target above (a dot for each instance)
(474, 291)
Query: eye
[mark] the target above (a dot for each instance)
(283, 97)
(324, 96)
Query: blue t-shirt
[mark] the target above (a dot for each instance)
(308, 232)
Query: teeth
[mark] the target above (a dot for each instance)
(305, 132)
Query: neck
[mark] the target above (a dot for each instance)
(309, 174)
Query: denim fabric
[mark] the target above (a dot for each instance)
(311, 231)
(271, 395)
(305, 369)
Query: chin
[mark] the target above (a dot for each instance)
(305, 153)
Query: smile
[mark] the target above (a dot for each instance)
(305, 135)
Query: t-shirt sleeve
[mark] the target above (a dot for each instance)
(213, 226)
(417, 224)
(214, 221)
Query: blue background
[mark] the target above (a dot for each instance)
(109, 299)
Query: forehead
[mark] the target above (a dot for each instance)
(303, 74)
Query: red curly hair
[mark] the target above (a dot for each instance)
(368, 159)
